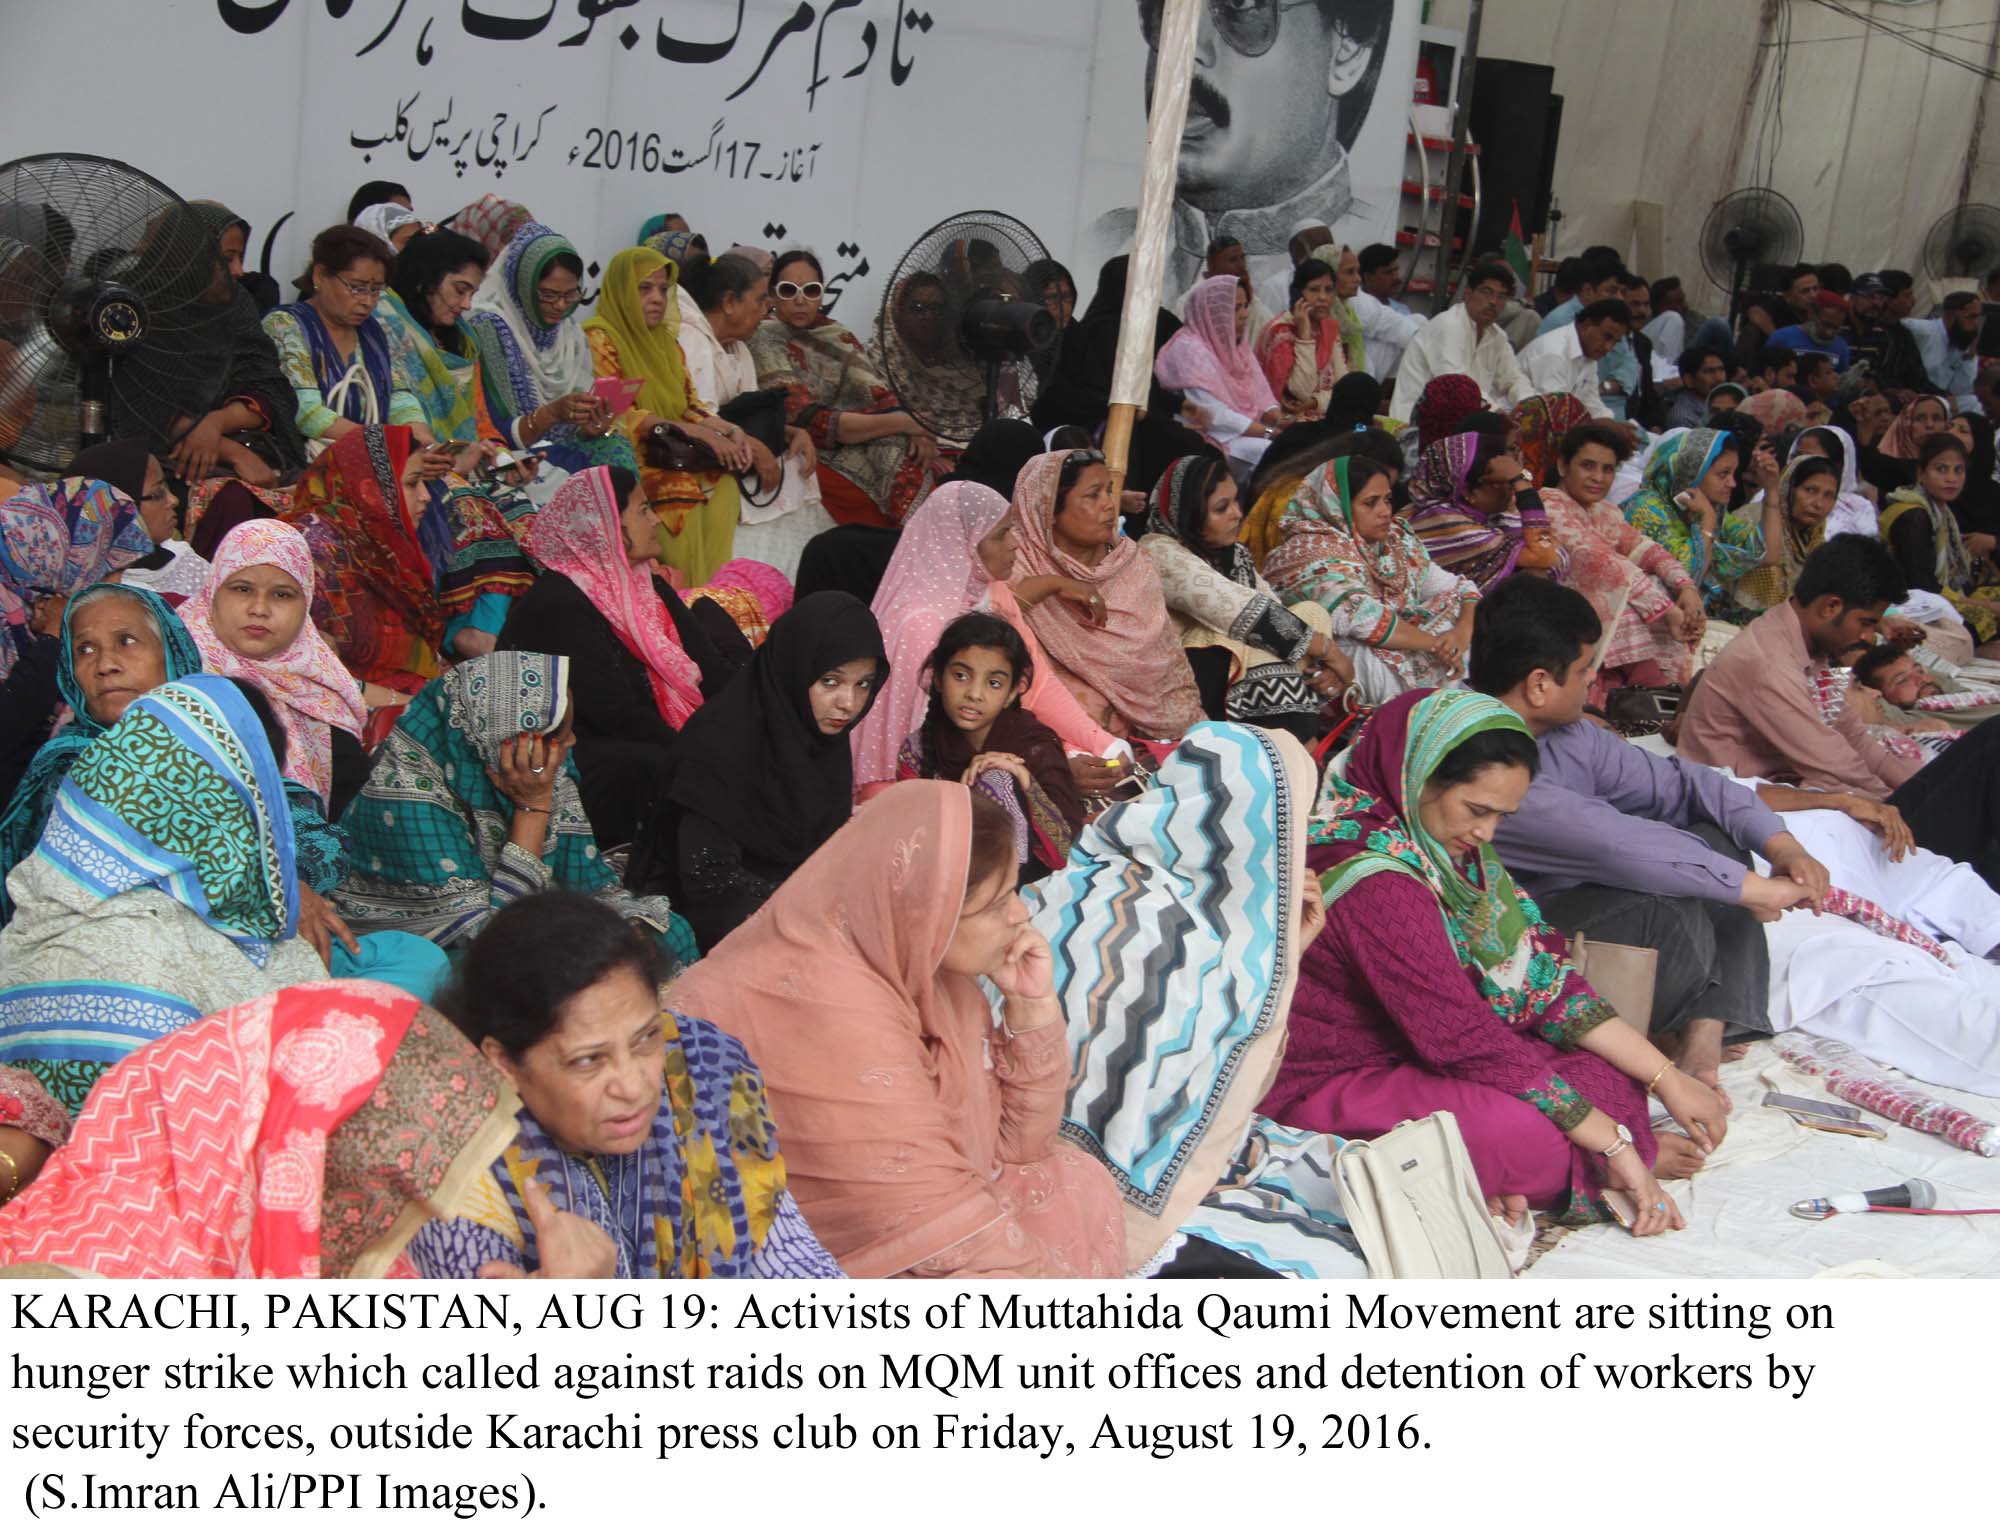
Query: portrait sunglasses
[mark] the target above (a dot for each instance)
(791, 290)
(1249, 27)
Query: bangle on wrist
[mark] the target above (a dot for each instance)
(1657, 1074)
(528, 809)
(13, 1175)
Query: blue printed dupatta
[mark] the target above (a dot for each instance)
(181, 797)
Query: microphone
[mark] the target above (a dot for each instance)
(1915, 1193)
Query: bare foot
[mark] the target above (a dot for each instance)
(1731, 1052)
(1680, 1156)
(1701, 1054)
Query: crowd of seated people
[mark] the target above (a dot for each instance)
(633, 729)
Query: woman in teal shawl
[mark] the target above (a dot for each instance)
(534, 364)
(1715, 545)
(322, 857)
(431, 352)
(437, 843)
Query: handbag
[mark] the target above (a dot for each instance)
(1412, 1202)
(1621, 974)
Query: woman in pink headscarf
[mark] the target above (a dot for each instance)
(641, 662)
(955, 556)
(1211, 361)
(252, 619)
(1121, 657)
(921, 1140)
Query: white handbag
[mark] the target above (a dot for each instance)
(1412, 1201)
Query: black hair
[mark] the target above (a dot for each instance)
(1221, 243)
(1855, 570)
(1597, 268)
(423, 264)
(338, 248)
(979, 630)
(1072, 471)
(1836, 278)
(1811, 362)
(1771, 359)
(274, 727)
(1362, 471)
(707, 280)
(789, 257)
(1958, 301)
(1374, 257)
(1877, 660)
(1365, 23)
(1894, 282)
(1379, 451)
(1490, 447)
(1695, 358)
(1599, 252)
(1661, 288)
(1308, 271)
(1485, 422)
(1632, 279)
(373, 193)
(1812, 466)
(993, 849)
(1488, 748)
(1071, 439)
(1593, 434)
(533, 958)
(1569, 274)
(1803, 269)
(1935, 446)
(1526, 624)
(1603, 309)
(623, 483)
(1830, 449)
(1491, 271)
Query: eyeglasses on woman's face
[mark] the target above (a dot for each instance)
(792, 290)
(559, 298)
(369, 291)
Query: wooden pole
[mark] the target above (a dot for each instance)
(1132, 376)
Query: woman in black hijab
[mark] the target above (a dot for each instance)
(1078, 392)
(207, 389)
(764, 773)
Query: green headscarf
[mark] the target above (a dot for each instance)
(650, 353)
(1374, 807)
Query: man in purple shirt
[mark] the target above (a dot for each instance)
(1630, 847)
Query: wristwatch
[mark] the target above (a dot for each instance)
(1622, 1142)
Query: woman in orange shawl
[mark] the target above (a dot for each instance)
(920, 1138)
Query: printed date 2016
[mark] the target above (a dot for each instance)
(746, 159)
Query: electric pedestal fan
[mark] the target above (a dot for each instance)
(957, 315)
(113, 305)
(1963, 243)
(1749, 228)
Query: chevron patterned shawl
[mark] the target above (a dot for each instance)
(1174, 933)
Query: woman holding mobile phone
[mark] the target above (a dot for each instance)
(534, 362)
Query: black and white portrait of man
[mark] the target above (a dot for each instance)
(1279, 98)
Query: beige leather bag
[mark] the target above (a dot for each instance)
(1623, 975)
(1413, 1203)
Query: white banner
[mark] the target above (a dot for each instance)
(850, 126)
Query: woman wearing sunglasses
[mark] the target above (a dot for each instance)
(333, 348)
(875, 462)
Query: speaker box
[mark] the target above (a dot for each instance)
(1516, 120)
